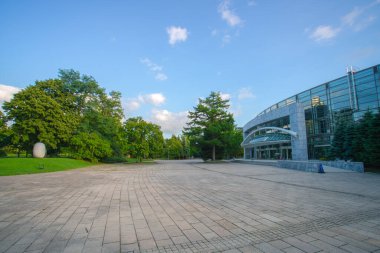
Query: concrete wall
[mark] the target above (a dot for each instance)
(299, 165)
(353, 166)
(298, 125)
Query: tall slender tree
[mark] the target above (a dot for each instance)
(210, 125)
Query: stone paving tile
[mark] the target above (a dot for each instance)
(189, 206)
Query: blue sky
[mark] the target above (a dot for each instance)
(164, 55)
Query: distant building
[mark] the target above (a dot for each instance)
(301, 127)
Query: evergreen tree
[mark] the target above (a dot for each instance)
(210, 126)
(337, 145)
(373, 144)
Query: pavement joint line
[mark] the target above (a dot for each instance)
(210, 209)
(249, 238)
(285, 183)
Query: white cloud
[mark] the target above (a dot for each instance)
(156, 69)
(176, 34)
(155, 99)
(227, 14)
(225, 96)
(7, 92)
(245, 93)
(350, 18)
(324, 32)
(160, 77)
(357, 19)
(170, 122)
(132, 104)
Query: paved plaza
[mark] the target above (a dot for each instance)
(190, 206)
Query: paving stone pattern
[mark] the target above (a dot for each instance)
(189, 206)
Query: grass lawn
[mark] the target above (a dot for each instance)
(18, 166)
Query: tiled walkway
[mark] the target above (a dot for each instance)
(189, 206)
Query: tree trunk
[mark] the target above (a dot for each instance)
(213, 152)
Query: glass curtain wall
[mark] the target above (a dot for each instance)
(347, 98)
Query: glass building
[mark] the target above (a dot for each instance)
(301, 127)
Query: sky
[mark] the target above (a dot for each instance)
(165, 55)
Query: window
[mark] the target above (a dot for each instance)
(339, 93)
(363, 73)
(341, 86)
(367, 99)
(365, 86)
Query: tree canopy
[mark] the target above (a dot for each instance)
(145, 139)
(357, 141)
(71, 112)
(210, 127)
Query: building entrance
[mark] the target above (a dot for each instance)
(273, 152)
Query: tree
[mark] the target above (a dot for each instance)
(90, 146)
(374, 141)
(5, 134)
(185, 146)
(174, 148)
(144, 139)
(235, 140)
(155, 139)
(41, 113)
(59, 112)
(358, 141)
(210, 125)
(337, 150)
(99, 114)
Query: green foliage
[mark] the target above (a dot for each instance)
(235, 139)
(144, 139)
(5, 133)
(18, 166)
(99, 113)
(90, 146)
(41, 113)
(358, 141)
(174, 148)
(210, 127)
(64, 112)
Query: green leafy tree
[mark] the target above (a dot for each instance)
(144, 139)
(174, 147)
(155, 140)
(5, 134)
(90, 146)
(185, 146)
(235, 139)
(41, 113)
(210, 125)
(98, 112)
(59, 112)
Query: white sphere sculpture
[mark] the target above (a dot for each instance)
(39, 150)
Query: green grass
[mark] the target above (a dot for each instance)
(19, 166)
